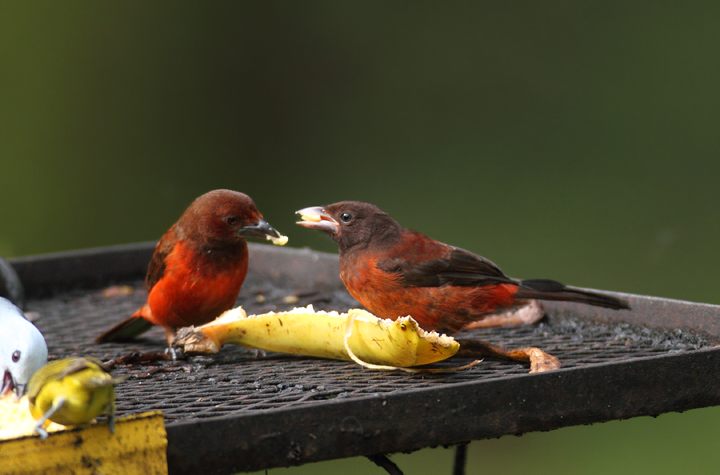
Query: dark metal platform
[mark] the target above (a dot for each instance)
(238, 411)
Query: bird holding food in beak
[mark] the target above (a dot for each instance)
(394, 272)
(198, 266)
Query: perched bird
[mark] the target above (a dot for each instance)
(198, 266)
(72, 391)
(394, 271)
(22, 349)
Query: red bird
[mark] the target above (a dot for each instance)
(394, 271)
(198, 266)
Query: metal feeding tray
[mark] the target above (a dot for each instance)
(241, 411)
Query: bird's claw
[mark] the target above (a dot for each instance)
(41, 432)
(175, 353)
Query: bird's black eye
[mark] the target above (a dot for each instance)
(346, 217)
(231, 220)
(16, 356)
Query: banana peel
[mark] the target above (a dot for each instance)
(354, 336)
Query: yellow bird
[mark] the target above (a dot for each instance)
(72, 391)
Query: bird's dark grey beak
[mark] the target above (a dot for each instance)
(259, 230)
(20, 390)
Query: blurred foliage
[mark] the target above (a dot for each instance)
(569, 140)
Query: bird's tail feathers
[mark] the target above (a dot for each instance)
(127, 329)
(544, 289)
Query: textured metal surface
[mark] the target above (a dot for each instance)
(241, 411)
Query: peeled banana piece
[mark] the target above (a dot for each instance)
(303, 331)
(16, 419)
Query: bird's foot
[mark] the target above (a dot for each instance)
(538, 359)
(256, 352)
(175, 353)
(41, 432)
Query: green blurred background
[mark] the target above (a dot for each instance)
(578, 141)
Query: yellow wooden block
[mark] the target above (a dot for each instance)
(139, 446)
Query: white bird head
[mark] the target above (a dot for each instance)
(22, 349)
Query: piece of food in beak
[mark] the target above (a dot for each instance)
(315, 217)
(278, 241)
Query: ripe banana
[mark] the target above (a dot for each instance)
(302, 331)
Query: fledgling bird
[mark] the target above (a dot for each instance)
(198, 266)
(72, 391)
(22, 349)
(394, 271)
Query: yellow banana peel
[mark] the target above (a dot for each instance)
(357, 335)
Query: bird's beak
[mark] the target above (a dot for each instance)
(315, 217)
(8, 384)
(263, 230)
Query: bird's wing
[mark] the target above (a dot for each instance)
(454, 267)
(78, 364)
(98, 376)
(156, 268)
(54, 371)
